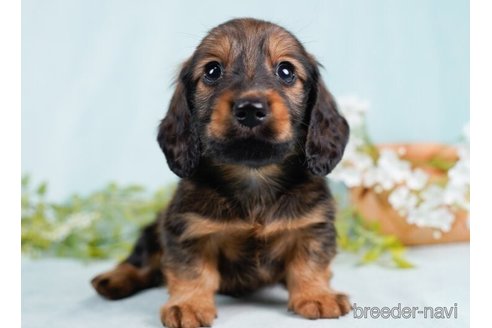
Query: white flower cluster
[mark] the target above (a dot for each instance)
(411, 193)
(73, 222)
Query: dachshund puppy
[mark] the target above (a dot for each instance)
(252, 131)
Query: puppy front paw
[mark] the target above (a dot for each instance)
(325, 305)
(189, 314)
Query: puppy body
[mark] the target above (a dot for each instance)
(249, 222)
(251, 130)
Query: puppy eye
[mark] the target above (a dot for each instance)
(213, 72)
(285, 71)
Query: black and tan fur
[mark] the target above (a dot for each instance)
(252, 208)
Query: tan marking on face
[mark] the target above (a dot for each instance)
(217, 48)
(280, 116)
(221, 116)
(278, 109)
(299, 70)
(282, 47)
(280, 43)
(295, 92)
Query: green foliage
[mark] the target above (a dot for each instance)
(358, 236)
(441, 164)
(103, 224)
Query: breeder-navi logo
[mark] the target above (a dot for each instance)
(405, 312)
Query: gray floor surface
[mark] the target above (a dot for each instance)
(57, 293)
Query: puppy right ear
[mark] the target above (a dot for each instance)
(178, 135)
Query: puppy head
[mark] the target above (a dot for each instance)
(251, 95)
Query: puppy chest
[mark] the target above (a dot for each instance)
(248, 263)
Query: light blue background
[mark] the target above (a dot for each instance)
(96, 75)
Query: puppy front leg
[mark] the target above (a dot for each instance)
(309, 292)
(191, 303)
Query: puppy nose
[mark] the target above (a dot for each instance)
(250, 113)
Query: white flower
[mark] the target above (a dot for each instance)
(402, 199)
(354, 110)
(421, 202)
(377, 177)
(463, 151)
(389, 171)
(441, 218)
(352, 168)
(459, 174)
(417, 179)
(370, 177)
(432, 196)
(350, 176)
(361, 161)
(432, 211)
(354, 142)
(456, 195)
(415, 215)
(458, 186)
(437, 217)
(73, 222)
(390, 163)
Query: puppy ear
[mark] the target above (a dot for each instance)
(178, 136)
(328, 131)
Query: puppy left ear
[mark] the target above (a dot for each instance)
(178, 136)
(328, 131)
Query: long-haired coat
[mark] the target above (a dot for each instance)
(252, 131)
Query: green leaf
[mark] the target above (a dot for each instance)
(371, 255)
(357, 235)
(41, 191)
(25, 181)
(401, 262)
(390, 240)
(441, 164)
